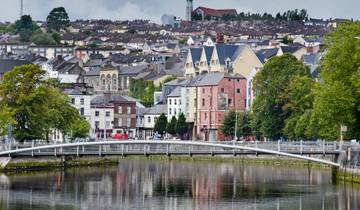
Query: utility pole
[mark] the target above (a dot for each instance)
(21, 8)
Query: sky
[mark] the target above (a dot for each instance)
(154, 9)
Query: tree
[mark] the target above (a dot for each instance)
(56, 37)
(299, 97)
(160, 124)
(57, 19)
(80, 129)
(243, 127)
(5, 119)
(181, 126)
(42, 39)
(228, 125)
(171, 126)
(337, 97)
(25, 27)
(270, 84)
(35, 106)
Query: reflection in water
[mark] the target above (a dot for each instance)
(177, 185)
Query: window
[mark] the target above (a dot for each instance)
(82, 101)
(107, 124)
(174, 111)
(73, 100)
(229, 80)
(120, 110)
(107, 114)
(128, 122)
(149, 119)
(129, 110)
(203, 101)
(203, 90)
(238, 80)
(179, 101)
(175, 102)
(97, 113)
(120, 124)
(97, 124)
(238, 90)
(222, 90)
(82, 111)
(229, 101)
(169, 111)
(169, 101)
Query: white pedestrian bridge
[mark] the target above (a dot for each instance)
(318, 152)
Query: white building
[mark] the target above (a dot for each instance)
(174, 103)
(102, 118)
(81, 101)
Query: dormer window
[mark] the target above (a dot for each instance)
(197, 64)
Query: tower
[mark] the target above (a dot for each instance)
(189, 9)
(21, 8)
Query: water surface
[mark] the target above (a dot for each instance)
(175, 185)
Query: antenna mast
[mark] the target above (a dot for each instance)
(21, 8)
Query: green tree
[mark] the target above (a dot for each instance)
(160, 124)
(337, 98)
(299, 97)
(36, 106)
(25, 27)
(181, 126)
(270, 84)
(56, 37)
(5, 119)
(171, 126)
(42, 39)
(228, 125)
(57, 19)
(80, 129)
(243, 127)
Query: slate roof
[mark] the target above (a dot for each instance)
(266, 54)
(176, 92)
(8, 64)
(195, 54)
(209, 79)
(157, 110)
(132, 70)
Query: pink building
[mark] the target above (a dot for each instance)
(217, 94)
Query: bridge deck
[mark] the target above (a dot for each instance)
(142, 147)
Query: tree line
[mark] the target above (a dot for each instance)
(291, 104)
(174, 127)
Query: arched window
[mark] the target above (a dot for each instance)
(114, 82)
(108, 82)
(103, 82)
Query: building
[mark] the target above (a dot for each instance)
(216, 94)
(233, 59)
(102, 117)
(52, 51)
(124, 115)
(174, 103)
(146, 119)
(81, 100)
(205, 13)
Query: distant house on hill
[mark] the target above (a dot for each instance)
(205, 13)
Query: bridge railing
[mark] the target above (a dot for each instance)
(290, 147)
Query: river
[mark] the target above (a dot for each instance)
(177, 185)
